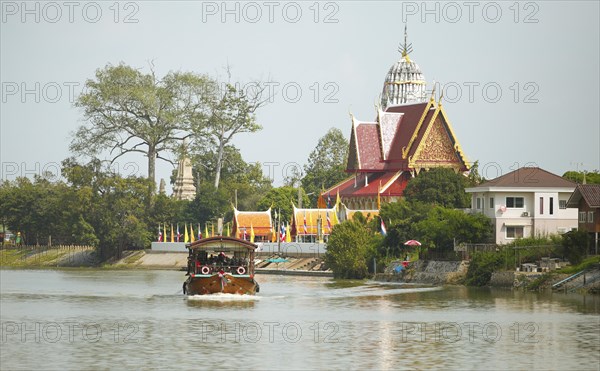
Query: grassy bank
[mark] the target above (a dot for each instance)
(44, 258)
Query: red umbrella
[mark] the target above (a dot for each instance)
(412, 243)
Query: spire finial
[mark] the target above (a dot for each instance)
(406, 48)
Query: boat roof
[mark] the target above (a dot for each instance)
(222, 243)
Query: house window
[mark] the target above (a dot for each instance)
(491, 202)
(478, 203)
(514, 232)
(551, 205)
(590, 217)
(514, 202)
(541, 205)
(582, 215)
(562, 204)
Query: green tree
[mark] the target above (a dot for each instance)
(117, 209)
(326, 164)
(592, 177)
(439, 186)
(132, 112)
(443, 227)
(348, 248)
(401, 218)
(575, 245)
(281, 199)
(230, 111)
(247, 179)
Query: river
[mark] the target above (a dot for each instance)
(119, 319)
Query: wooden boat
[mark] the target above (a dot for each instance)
(220, 265)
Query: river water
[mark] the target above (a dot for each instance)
(117, 319)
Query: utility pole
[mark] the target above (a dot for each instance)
(278, 231)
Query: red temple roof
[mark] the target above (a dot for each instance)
(397, 137)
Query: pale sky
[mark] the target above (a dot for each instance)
(522, 80)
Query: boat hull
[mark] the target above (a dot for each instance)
(217, 283)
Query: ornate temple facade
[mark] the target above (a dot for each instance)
(411, 133)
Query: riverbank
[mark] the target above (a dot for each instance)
(455, 273)
(44, 257)
(144, 259)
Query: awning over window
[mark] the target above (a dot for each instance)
(517, 224)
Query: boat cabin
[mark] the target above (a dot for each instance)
(220, 255)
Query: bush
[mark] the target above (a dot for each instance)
(347, 250)
(482, 266)
(575, 244)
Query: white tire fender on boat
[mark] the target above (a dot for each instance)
(241, 270)
(205, 270)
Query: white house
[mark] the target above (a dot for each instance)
(526, 202)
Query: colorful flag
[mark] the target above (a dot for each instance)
(305, 227)
(186, 237)
(329, 200)
(228, 232)
(206, 230)
(178, 234)
(288, 235)
(328, 221)
(164, 232)
(160, 235)
(191, 233)
(383, 230)
(251, 233)
(212, 230)
(244, 235)
(337, 199)
(320, 200)
(282, 233)
(199, 232)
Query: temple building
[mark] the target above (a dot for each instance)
(247, 222)
(312, 225)
(411, 133)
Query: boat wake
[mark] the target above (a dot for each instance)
(220, 297)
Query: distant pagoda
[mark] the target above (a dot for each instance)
(184, 188)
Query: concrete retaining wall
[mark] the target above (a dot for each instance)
(427, 272)
(292, 249)
(168, 247)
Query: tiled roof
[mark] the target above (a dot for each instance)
(368, 144)
(392, 184)
(408, 123)
(389, 122)
(529, 177)
(259, 221)
(589, 192)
